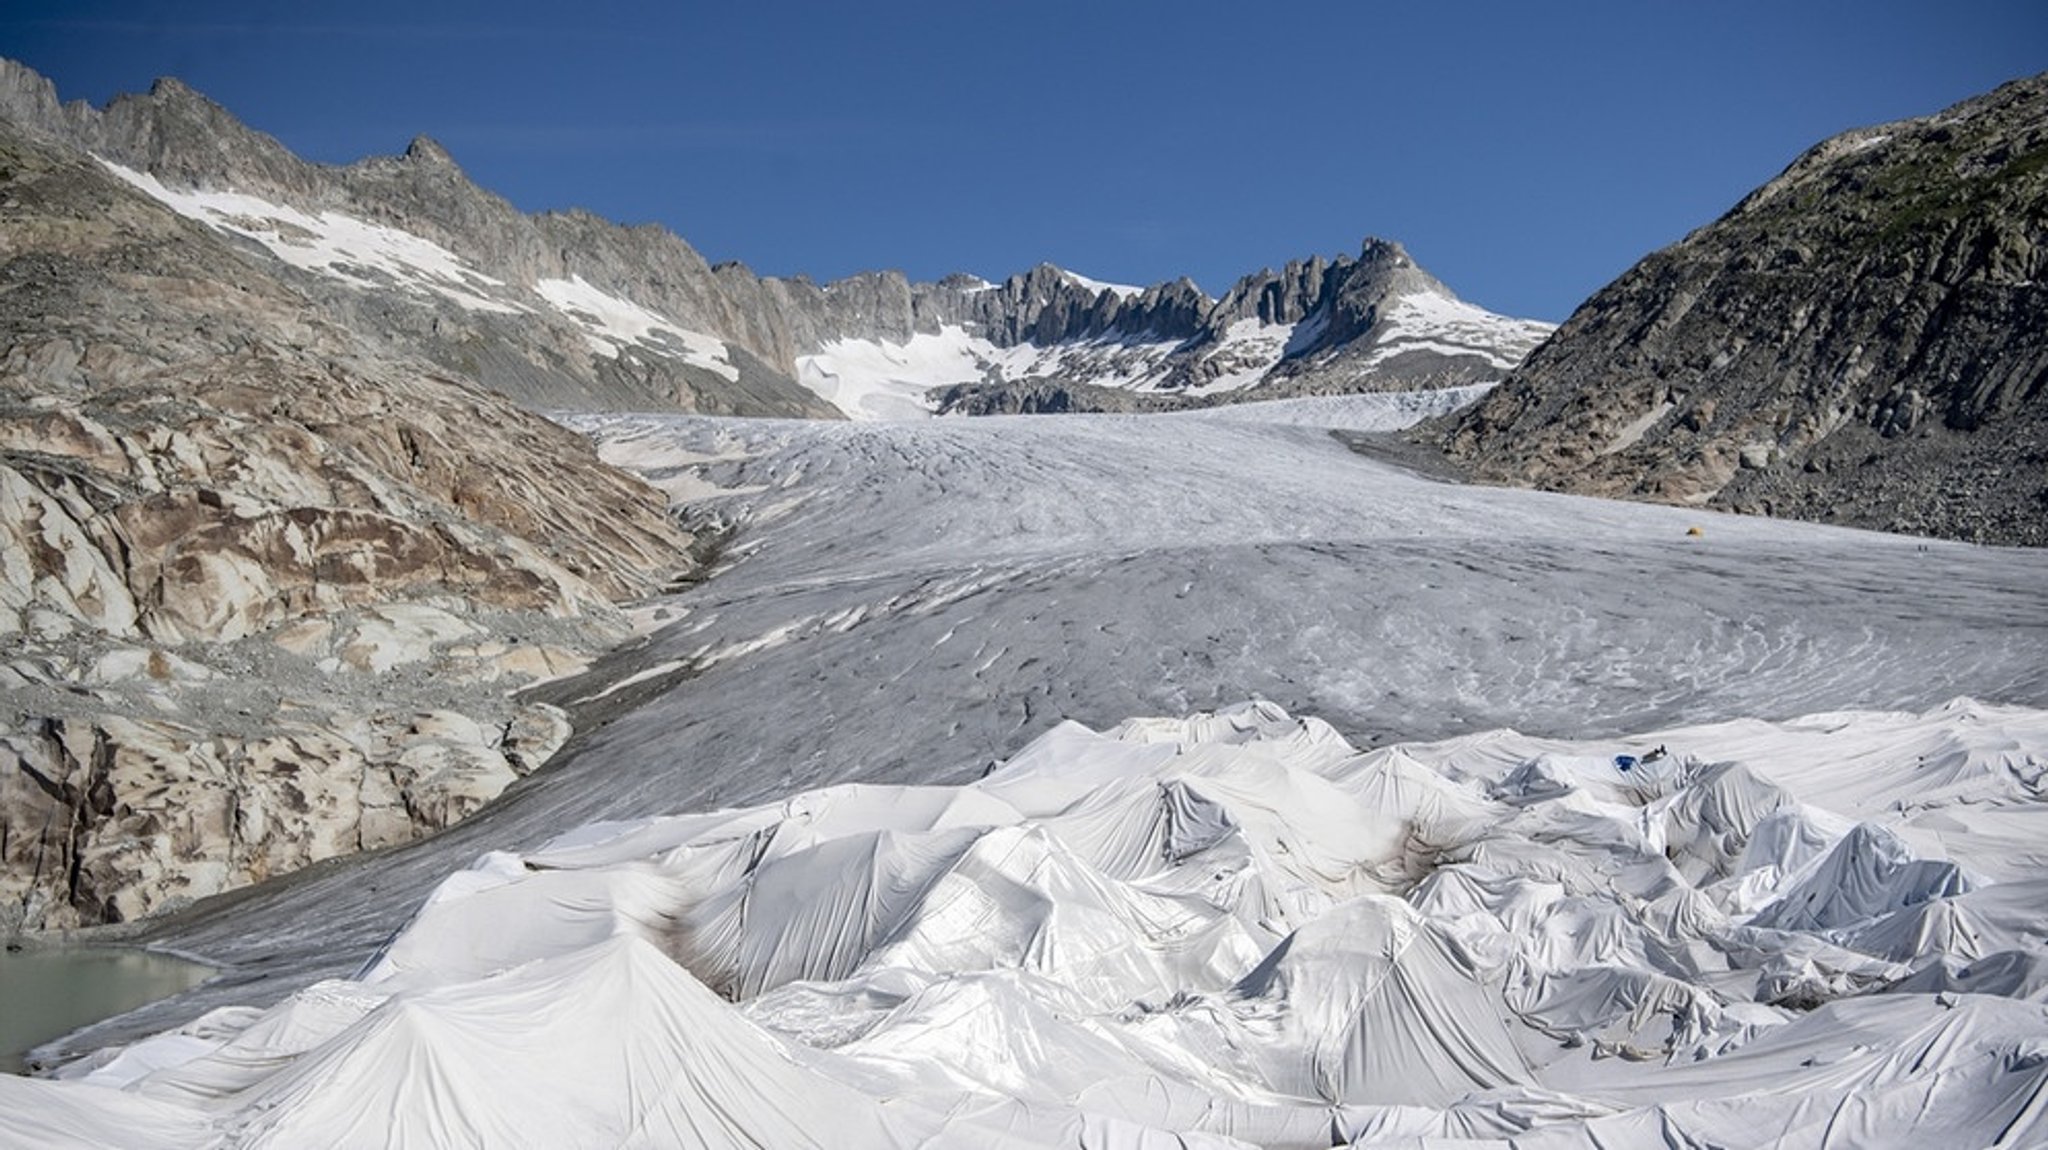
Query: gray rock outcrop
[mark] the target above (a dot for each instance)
(1863, 340)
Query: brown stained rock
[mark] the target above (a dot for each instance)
(117, 818)
(444, 781)
(534, 735)
(56, 556)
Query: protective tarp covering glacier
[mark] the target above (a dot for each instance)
(1227, 930)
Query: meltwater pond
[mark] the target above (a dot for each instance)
(48, 992)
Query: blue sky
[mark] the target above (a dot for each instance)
(1526, 153)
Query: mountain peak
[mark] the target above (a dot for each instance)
(171, 90)
(1373, 249)
(427, 150)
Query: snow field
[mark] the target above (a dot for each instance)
(883, 380)
(613, 323)
(333, 243)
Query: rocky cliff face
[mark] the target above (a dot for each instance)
(1863, 340)
(568, 311)
(263, 587)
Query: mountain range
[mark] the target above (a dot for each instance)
(569, 311)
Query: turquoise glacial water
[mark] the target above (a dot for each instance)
(47, 992)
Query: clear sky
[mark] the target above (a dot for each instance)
(1526, 152)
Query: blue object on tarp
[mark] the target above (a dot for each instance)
(1625, 762)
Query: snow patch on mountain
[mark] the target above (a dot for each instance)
(878, 379)
(611, 323)
(365, 255)
(873, 379)
(1430, 321)
(1248, 350)
(1121, 291)
(373, 257)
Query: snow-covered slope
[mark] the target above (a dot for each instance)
(375, 257)
(1431, 322)
(364, 255)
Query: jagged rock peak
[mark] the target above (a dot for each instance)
(427, 150)
(168, 89)
(26, 95)
(1343, 289)
(177, 107)
(1374, 250)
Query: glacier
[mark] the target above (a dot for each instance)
(861, 845)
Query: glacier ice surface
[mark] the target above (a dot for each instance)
(896, 868)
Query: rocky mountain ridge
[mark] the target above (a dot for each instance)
(1863, 340)
(264, 585)
(1321, 326)
(568, 311)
